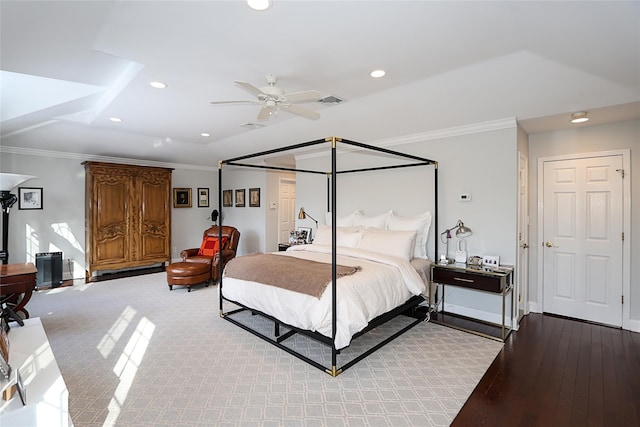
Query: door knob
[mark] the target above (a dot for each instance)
(550, 245)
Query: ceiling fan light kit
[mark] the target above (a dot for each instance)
(272, 98)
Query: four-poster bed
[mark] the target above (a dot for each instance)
(348, 264)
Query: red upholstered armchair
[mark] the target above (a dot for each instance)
(208, 251)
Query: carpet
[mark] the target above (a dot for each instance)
(133, 353)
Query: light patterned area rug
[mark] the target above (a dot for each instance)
(133, 353)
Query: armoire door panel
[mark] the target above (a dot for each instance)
(154, 228)
(110, 218)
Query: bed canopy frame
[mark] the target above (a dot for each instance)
(408, 306)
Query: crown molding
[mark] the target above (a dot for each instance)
(489, 126)
(96, 158)
(507, 123)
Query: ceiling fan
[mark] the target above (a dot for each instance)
(272, 97)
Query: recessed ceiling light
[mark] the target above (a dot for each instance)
(377, 73)
(115, 119)
(158, 85)
(579, 117)
(204, 134)
(259, 4)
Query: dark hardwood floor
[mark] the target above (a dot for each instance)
(559, 372)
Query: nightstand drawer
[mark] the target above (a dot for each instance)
(467, 279)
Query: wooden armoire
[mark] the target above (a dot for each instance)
(127, 216)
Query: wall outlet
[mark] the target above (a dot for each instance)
(465, 197)
(491, 261)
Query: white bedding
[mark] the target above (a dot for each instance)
(384, 283)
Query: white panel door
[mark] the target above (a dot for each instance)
(582, 238)
(286, 209)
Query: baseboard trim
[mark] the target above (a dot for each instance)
(631, 325)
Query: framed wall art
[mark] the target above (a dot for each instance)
(181, 197)
(240, 198)
(203, 197)
(29, 197)
(227, 198)
(254, 197)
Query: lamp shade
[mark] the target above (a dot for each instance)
(302, 214)
(462, 230)
(9, 181)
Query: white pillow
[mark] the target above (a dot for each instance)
(345, 236)
(398, 244)
(377, 221)
(420, 223)
(343, 221)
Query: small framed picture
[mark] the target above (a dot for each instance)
(22, 391)
(5, 368)
(203, 197)
(227, 198)
(304, 234)
(4, 339)
(254, 197)
(181, 197)
(240, 198)
(29, 197)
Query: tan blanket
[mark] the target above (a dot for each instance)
(295, 274)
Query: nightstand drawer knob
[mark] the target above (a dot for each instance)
(463, 280)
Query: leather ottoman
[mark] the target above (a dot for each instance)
(187, 274)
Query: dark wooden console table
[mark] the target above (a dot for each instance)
(495, 281)
(17, 282)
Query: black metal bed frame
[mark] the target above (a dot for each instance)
(409, 305)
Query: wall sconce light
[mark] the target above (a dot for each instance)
(579, 117)
(303, 215)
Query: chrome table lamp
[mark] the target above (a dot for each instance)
(460, 231)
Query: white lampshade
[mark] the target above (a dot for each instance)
(9, 181)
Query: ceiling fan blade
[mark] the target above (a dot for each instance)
(249, 88)
(309, 114)
(235, 102)
(306, 96)
(265, 113)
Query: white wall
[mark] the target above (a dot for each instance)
(59, 226)
(483, 164)
(624, 135)
(188, 224)
(250, 221)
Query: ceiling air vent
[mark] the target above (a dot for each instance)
(252, 126)
(330, 99)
